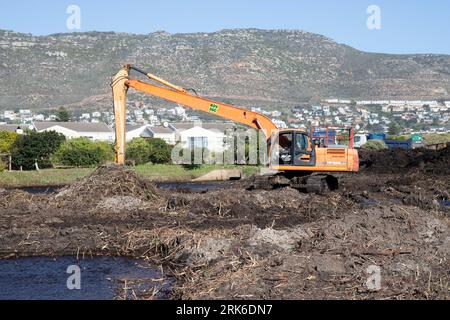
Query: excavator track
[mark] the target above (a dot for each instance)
(321, 184)
(316, 183)
(269, 182)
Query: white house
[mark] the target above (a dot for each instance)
(202, 135)
(85, 116)
(10, 115)
(135, 131)
(165, 133)
(39, 117)
(94, 131)
(198, 137)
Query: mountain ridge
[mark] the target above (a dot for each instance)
(269, 68)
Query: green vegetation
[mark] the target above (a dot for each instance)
(157, 172)
(6, 141)
(82, 152)
(138, 151)
(63, 115)
(394, 129)
(2, 166)
(160, 151)
(178, 172)
(35, 147)
(429, 138)
(399, 138)
(141, 151)
(374, 145)
(47, 177)
(434, 138)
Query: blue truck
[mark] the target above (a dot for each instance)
(399, 144)
(416, 141)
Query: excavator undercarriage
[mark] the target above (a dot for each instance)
(318, 183)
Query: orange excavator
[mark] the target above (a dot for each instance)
(295, 159)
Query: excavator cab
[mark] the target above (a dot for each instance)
(292, 148)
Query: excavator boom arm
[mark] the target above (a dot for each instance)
(121, 83)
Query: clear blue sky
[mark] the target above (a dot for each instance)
(407, 26)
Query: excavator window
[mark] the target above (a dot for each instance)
(282, 149)
(301, 143)
(293, 149)
(304, 151)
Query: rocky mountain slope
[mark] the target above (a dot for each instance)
(276, 68)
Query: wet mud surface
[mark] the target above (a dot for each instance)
(231, 243)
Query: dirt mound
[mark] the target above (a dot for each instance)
(108, 182)
(330, 259)
(405, 161)
(276, 208)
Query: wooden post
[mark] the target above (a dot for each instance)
(10, 163)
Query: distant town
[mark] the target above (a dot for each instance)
(410, 116)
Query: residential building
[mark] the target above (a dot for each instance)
(202, 135)
(165, 133)
(10, 115)
(135, 131)
(94, 131)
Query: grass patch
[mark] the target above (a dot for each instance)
(435, 138)
(47, 177)
(159, 172)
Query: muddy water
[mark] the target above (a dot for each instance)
(39, 190)
(179, 186)
(45, 278)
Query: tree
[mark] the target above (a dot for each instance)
(6, 141)
(160, 151)
(63, 115)
(139, 150)
(394, 129)
(35, 147)
(82, 152)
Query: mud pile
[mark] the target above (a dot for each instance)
(330, 259)
(405, 161)
(110, 187)
(276, 208)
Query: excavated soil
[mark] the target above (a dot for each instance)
(238, 244)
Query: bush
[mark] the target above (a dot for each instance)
(6, 141)
(374, 145)
(82, 152)
(398, 138)
(437, 138)
(394, 129)
(35, 146)
(2, 166)
(160, 151)
(138, 151)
